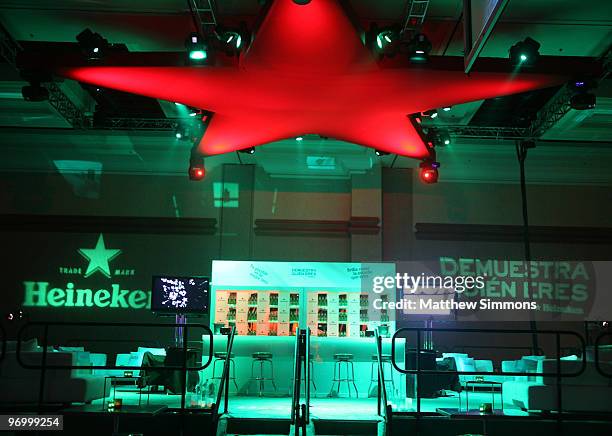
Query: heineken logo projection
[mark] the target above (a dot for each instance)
(99, 261)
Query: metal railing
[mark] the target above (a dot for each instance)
(152, 343)
(44, 366)
(308, 375)
(383, 402)
(418, 371)
(223, 394)
(464, 348)
(300, 411)
(600, 370)
(295, 396)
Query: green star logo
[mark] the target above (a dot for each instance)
(99, 257)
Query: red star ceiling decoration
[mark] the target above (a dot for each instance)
(308, 72)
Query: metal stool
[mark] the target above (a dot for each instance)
(220, 357)
(385, 359)
(349, 378)
(262, 357)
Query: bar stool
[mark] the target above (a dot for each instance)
(386, 360)
(220, 357)
(262, 357)
(345, 359)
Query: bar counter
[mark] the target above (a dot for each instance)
(322, 350)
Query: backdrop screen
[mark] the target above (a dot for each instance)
(180, 294)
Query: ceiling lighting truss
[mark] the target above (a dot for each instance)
(9, 48)
(416, 11)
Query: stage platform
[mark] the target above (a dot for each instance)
(323, 407)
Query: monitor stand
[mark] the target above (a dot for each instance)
(181, 320)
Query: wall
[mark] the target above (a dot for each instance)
(241, 212)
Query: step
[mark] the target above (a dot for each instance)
(346, 427)
(257, 426)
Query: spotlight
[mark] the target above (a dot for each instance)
(299, 138)
(92, 44)
(432, 113)
(234, 39)
(182, 132)
(381, 153)
(429, 171)
(387, 42)
(443, 139)
(197, 49)
(197, 170)
(447, 108)
(35, 92)
(583, 101)
(437, 138)
(194, 112)
(249, 150)
(419, 48)
(524, 53)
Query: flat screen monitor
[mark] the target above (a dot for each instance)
(180, 294)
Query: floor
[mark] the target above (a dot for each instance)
(324, 408)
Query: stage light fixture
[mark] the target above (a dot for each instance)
(249, 150)
(429, 171)
(299, 138)
(197, 49)
(583, 101)
(582, 98)
(447, 108)
(432, 113)
(437, 138)
(525, 53)
(419, 48)
(194, 112)
(197, 170)
(92, 44)
(233, 41)
(443, 138)
(182, 132)
(387, 42)
(381, 153)
(35, 92)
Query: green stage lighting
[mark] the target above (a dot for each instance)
(525, 53)
(196, 48)
(419, 48)
(197, 55)
(385, 42)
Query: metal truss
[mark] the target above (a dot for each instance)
(152, 124)
(416, 10)
(66, 108)
(9, 49)
(482, 132)
(208, 9)
(551, 112)
(559, 105)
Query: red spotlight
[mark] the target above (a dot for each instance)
(197, 171)
(429, 171)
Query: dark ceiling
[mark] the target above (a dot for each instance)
(161, 25)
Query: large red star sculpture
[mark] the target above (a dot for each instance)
(308, 72)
